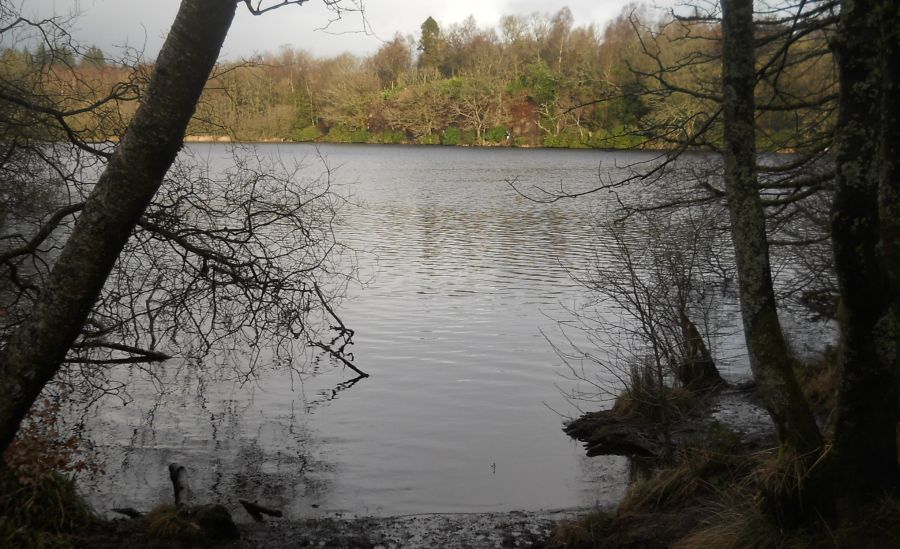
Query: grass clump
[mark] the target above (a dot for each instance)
(696, 475)
(717, 500)
(646, 399)
(40, 511)
(588, 531)
(167, 523)
(819, 380)
(198, 525)
(741, 521)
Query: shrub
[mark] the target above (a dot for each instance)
(568, 139)
(451, 136)
(343, 134)
(430, 139)
(309, 133)
(37, 512)
(497, 134)
(617, 138)
(390, 136)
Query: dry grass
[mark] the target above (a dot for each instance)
(589, 531)
(645, 397)
(819, 381)
(39, 512)
(697, 475)
(166, 523)
(721, 497)
(201, 524)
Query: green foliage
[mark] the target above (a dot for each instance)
(568, 139)
(430, 139)
(389, 136)
(539, 82)
(57, 55)
(497, 134)
(620, 137)
(93, 57)
(451, 136)
(309, 133)
(468, 137)
(550, 82)
(452, 87)
(432, 45)
(631, 106)
(341, 134)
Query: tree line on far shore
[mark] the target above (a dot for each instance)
(535, 80)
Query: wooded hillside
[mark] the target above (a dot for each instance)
(536, 80)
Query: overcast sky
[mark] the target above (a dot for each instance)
(144, 23)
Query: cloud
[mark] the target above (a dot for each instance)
(143, 23)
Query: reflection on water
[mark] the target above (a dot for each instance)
(463, 274)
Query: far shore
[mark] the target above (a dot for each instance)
(270, 140)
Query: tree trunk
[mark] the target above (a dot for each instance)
(180, 485)
(889, 184)
(770, 359)
(865, 432)
(697, 370)
(134, 173)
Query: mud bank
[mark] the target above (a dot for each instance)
(735, 408)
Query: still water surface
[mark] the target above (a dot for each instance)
(463, 275)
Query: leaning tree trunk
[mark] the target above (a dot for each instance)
(865, 431)
(134, 173)
(769, 356)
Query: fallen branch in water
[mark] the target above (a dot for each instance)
(257, 511)
(129, 512)
(178, 474)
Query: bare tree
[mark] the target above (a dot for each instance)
(643, 336)
(220, 257)
(715, 76)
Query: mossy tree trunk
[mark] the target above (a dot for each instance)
(889, 183)
(134, 173)
(865, 432)
(770, 359)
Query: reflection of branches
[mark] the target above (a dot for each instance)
(232, 260)
(327, 395)
(222, 262)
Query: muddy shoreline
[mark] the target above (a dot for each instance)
(449, 531)
(513, 529)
